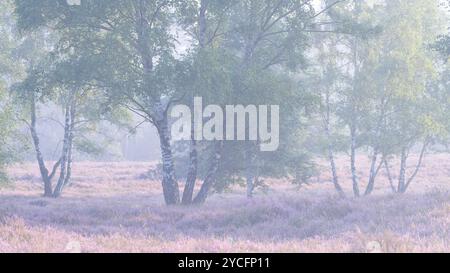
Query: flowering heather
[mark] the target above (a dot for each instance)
(110, 208)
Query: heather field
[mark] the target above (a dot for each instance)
(112, 207)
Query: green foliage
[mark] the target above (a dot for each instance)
(12, 143)
(10, 139)
(369, 76)
(401, 67)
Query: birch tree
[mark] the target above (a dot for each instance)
(131, 51)
(402, 68)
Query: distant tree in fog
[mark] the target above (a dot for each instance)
(341, 87)
(377, 84)
(241, 56)
(128, 48)
(402, 70)
(53, 77)
(11, 142)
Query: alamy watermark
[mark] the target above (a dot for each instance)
(238, 123)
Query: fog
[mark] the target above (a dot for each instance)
(224, 126)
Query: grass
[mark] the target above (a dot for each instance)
(109, 208)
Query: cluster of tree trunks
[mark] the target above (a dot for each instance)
(170, 184)
(64, 164)
(403, 182)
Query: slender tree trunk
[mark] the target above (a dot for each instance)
(250, 170)
(192, 172)
(373, 172)
(39, 157)
(202, 27)
(64, 157)
(193, 155)
(353, 161)
(376, 149)
(336, 184)
(401, 177)
(142, 41)
(68, 177)
(250, 183)
(211, 175)
(169, 182)
(418, 166)
(71, 137)
(327, 126)
(357, 11)
(389, 176)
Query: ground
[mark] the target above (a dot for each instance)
(110, 207)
